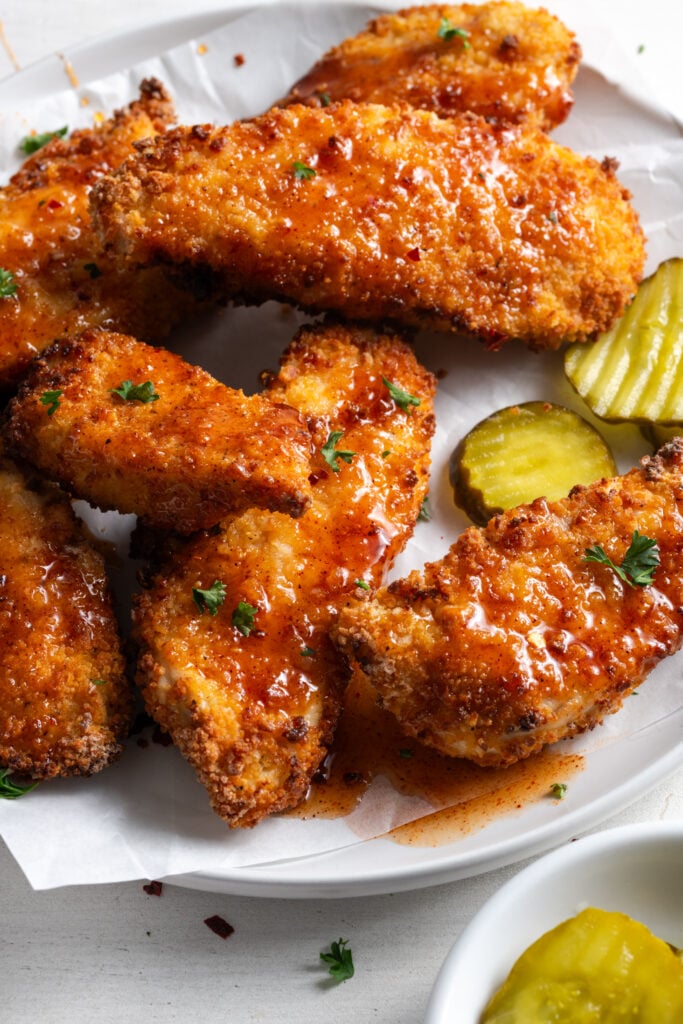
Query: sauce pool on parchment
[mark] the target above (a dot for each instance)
(465, 796)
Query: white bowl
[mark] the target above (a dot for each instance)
(636, 869)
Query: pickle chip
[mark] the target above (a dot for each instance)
(600, 967)
(635, 370)
(524, 452)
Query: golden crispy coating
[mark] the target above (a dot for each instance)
(254, 713)
(502, 60)
(181, 461)
(513, 640)
(65, 282)
(441, 223)
(64, 699)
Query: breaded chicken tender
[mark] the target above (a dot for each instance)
(505, 61)
(181, 451)
(387, 215)
(514, 640)
(236, 662)
(64, 699)
(64, 281)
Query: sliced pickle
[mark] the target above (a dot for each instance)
(658, 433)
(600, 967)
(635, 370)
(524, 452)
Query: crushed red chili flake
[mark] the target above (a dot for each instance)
(153, 888)
(54, 204)
(239, 60)
(219, 926)
(414, 254)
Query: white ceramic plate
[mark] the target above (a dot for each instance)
(614, 775)
(635, 869)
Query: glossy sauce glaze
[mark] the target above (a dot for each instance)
(465, 797)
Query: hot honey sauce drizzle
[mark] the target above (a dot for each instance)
(465, 797)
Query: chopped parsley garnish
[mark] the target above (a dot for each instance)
(552, 217)
(339, 960)
(8, 286)
(403, 399)
(425, 513)
(325, 99)
(9, 790)
(638, 565)
(51, 400)
(362, 584)
(209, 600)
(93, 270)
(98, 682)
(641, 48)
(301, 171)
(308, 652)
(331, 454)
(558, 790)
(387, 451)
(406, 752)
(130, 392)
(32, 143)
(243, 617)
(448, 32)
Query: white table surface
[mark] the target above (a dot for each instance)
(115, 954)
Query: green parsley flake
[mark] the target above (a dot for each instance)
(93, 270)
(130, 392)
(51, 400)
(331, 454)
(638, 565)
(9, 790)
(406, 752)
(558, 790)
(403, 399)
(302, 172)
(243, 617)
(387, 451)
(448, 32)
(325, 99)
(8, 286)
(362, 584)
(99, 682)
(552, 217)
(308, 652)
(339, 960)
(209, 600)
(32, 143)
(425, 513)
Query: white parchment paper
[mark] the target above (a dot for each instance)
(147, 816)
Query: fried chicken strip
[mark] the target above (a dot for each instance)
(251, 694)
(182, 455)
(383, 213)
(514, 640)
(64, 280)
(505, 61)
(64, 699)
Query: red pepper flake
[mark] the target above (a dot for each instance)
(153, 888)
(219, 926)
(414, 254)
(54, 204)
(239, 60)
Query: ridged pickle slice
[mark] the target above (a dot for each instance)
(600, 967)
(523, 452)
(635, 370)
